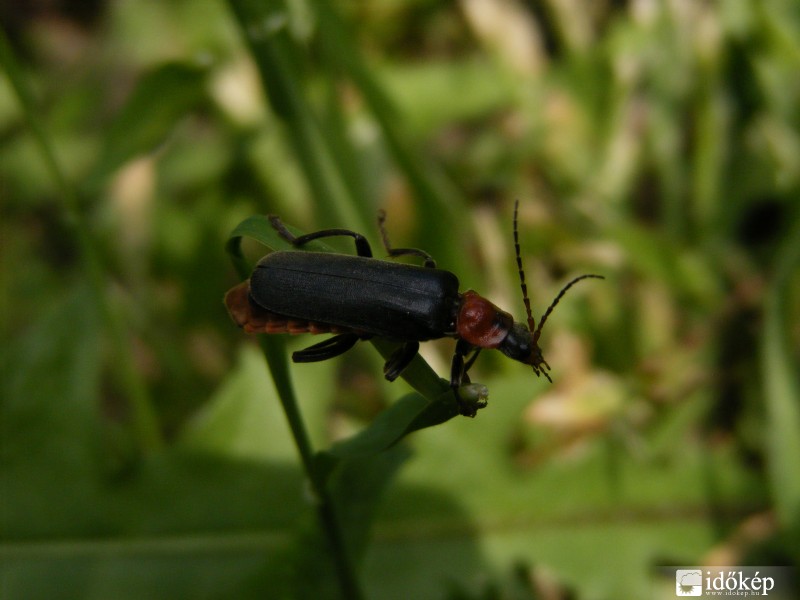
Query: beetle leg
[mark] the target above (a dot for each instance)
(428, 261)
(469, 363)
(399, 360)
(459, 376)
(338, 344)
(457, 366)
(362, 245)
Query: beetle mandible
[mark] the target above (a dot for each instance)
(360, 297)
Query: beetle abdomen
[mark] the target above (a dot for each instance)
(386, 299)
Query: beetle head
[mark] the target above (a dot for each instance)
(520, 345)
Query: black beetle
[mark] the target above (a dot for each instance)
(359, 297)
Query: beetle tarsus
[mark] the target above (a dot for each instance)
(278, 226)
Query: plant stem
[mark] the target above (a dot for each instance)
(275, 353)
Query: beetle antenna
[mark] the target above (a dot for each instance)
(557, 299)
(523, 285)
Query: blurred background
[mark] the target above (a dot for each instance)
(144, 451)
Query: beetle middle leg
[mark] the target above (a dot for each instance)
(399, 360)
(338, 344)
(362, 245)
(428, 261)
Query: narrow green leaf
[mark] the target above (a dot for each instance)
(437, 412)
(258, 228)
(387, 429)
(411, 413)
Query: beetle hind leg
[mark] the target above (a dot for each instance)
(399, 360)
(338, 344)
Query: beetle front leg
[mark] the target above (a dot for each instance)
(460, 377)
(362, 245)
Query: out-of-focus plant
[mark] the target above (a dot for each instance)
(144, 451)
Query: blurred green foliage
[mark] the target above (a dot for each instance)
(143, 449)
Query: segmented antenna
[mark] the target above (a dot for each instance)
(550, 308)
(537, 331)
(523, 285)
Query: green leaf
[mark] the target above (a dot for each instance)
(470, 504)
(179, 526)
(385, 431)
(259, 228)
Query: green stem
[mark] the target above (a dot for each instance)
(275, 353)
(144, 418)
